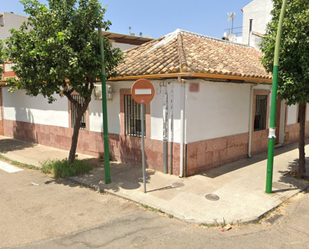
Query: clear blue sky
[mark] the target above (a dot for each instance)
(160, 17)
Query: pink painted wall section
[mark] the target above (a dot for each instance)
(259, 141)
(212, 153)
(292, 132)
(201, 156)
(122, 148)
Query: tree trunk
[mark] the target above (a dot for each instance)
(80, 111)
(75, 135)
(301, 172)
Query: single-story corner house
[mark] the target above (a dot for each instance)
(211, 107)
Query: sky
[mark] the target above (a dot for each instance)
(160, 17)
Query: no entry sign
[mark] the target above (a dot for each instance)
(142, 91)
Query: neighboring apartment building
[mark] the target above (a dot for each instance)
(256, 14)
(9, 20)
(125, 42)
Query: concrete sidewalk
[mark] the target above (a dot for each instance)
(237, 190)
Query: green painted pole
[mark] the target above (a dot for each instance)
(272, 128)
(104, 109)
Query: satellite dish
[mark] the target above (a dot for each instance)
(232, 37)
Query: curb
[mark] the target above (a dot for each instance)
(248, 220)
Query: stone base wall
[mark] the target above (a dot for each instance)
(211, 153)
(1, 128)
(259, 141)
(201, 156)
(125, 149)
(292, 132)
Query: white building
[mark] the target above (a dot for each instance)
(125, 42)
(9, 20)
(216, 94)
(256, 15)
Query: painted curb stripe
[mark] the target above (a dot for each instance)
(9, 168)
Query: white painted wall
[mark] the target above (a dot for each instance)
(19, 107)
(123, 46)
(259, 11)
(113, 110)
(10, 20)
(255, 41)
(292, 114)
(156, 105)
(217, 110)
(157, 110)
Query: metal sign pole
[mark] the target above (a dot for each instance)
(143, 92)
(143, 145)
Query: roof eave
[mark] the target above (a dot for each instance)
(193, 75)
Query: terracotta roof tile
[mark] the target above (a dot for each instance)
(182, 51)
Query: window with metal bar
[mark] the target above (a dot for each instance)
(133, 117)
(80, 100)
(260, 116)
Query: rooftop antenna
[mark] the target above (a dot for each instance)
(130, 31)
(231, 16)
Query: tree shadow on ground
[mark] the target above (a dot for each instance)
(7, 145)
(288, 180)
(123, 176)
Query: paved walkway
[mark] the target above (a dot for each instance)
(237, 190)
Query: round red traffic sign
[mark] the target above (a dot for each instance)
(142, 91)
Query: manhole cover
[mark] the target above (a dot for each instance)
(177, 184)
(212, 197)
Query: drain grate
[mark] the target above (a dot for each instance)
(212, 197)
(177, 184)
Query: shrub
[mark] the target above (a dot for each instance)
(63, 169)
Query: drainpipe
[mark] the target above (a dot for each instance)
(172, 128)
(165, 131)
(250, 121)
(182, 126)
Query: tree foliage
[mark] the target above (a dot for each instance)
(293, 76)
(57, 51)
(294, 60)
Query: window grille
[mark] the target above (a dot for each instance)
(260, 112)
(133, 117)
(80, 100)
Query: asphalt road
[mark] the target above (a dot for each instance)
(38, 212)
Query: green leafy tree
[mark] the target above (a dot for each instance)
(293, 84)
(58, 52)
